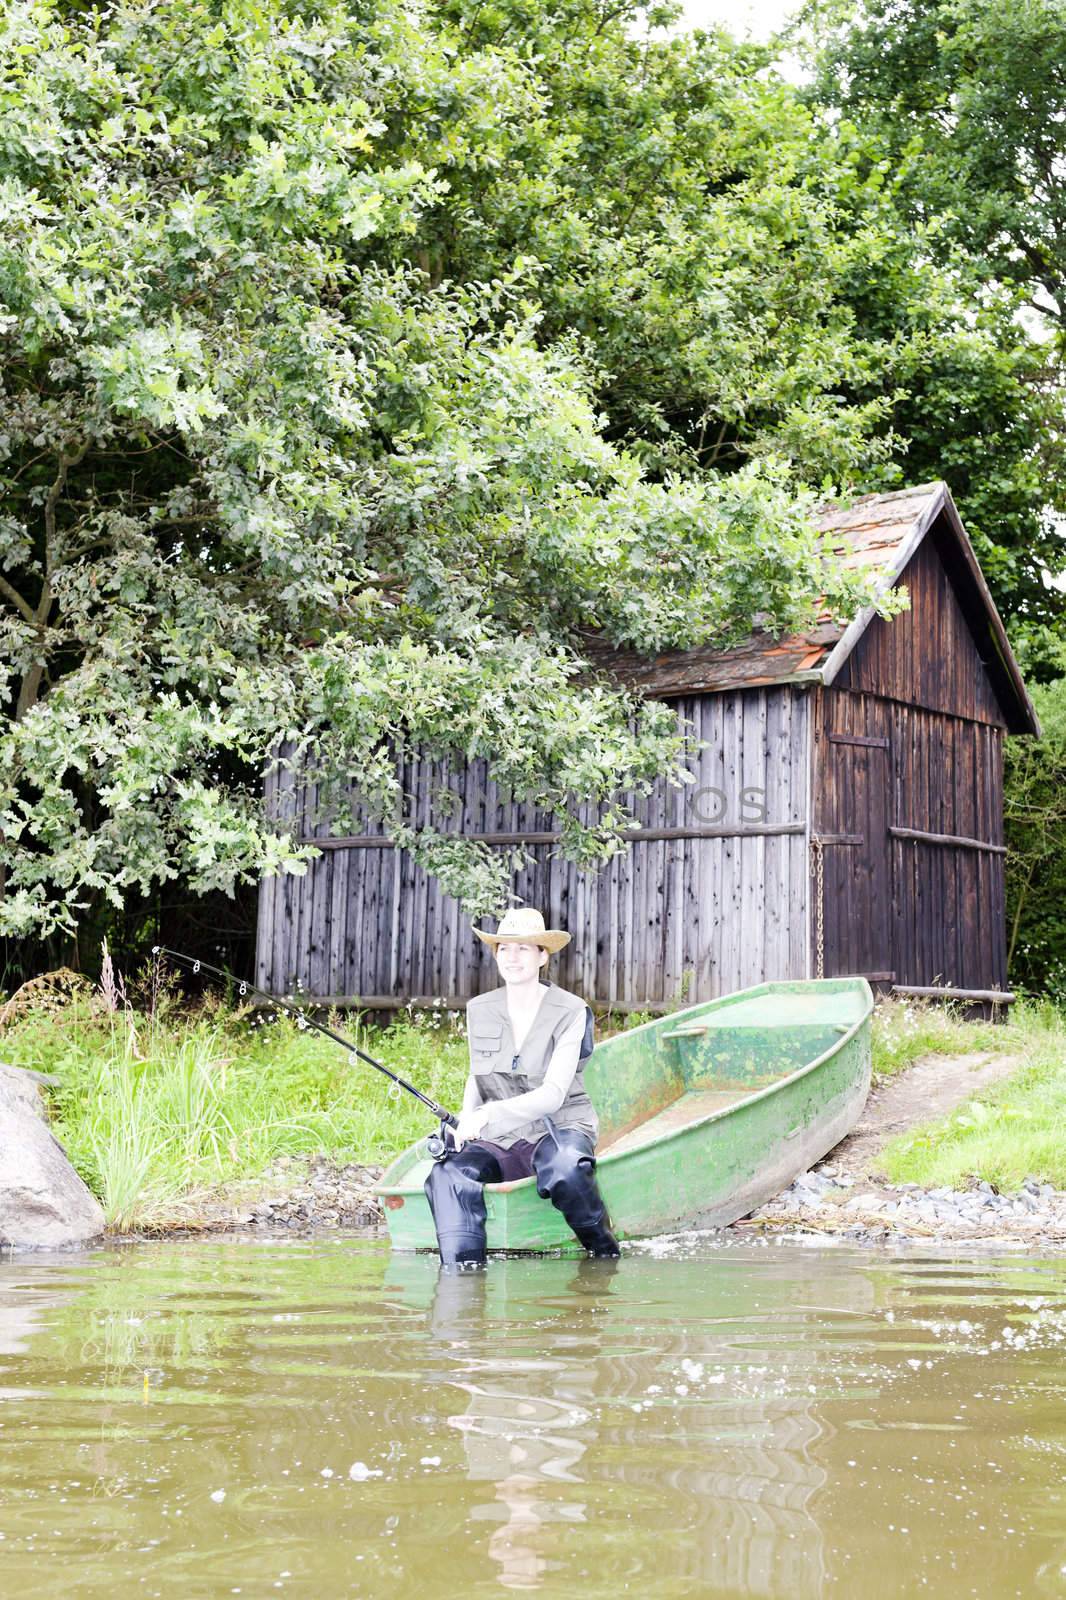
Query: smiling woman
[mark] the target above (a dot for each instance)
(525, 1109)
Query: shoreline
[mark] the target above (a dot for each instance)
(320, 1198)
(827, 1202)
(841, 1198)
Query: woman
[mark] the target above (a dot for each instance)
(525, 1110)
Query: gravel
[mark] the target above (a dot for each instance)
(824, 1201)
(305, 1196)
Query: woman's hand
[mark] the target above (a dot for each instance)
(469, 1125)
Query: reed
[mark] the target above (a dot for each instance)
(152, 1108)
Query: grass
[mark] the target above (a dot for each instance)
(154, 1110)
(904, 1031)
(1012, 1131)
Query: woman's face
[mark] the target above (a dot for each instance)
(518, 963)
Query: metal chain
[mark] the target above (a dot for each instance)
(819, 907)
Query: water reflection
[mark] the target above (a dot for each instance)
(324, 1419)
(513, 1436)
(528, 1422)
(23, 1308)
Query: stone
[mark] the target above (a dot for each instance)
(44, 1205)
(813, 1183)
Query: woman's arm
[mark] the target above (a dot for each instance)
(498, 1117)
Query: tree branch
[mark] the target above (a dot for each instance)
(31, 683)
(22, 606)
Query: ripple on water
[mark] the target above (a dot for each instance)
(325, 1418)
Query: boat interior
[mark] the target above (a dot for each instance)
(659, 1079)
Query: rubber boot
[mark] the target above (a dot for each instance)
(565, 1167)
(455, 1189)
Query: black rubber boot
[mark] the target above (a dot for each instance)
(566, 1175)
(455, 1189)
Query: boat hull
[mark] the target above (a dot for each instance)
(702, 1167)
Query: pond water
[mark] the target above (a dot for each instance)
(706, 1418)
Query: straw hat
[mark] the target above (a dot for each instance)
(523, 925)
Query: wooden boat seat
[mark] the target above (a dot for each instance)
(680, 1113)
(696, 1030)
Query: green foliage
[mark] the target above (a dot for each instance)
(294, 443)
(963, 102)
(1035, 813)
(970, 93)
(1012, 1132)
(359, 363)
(153, 1108)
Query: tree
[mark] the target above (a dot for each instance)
(965, 102)
(1035, 811)
(267, 473)
(743, 266)
(971, 97)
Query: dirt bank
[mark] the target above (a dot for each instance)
(927, 1091)
(842, 1197)
(300, 1195)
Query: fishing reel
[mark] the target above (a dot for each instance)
(440, 1145)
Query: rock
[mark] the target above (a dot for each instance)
(813, 1183)
(43, 1203)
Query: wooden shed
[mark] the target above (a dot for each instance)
(847, 817)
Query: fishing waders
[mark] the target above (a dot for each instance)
(455, 1189)
(565, 1169)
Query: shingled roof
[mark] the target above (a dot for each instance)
(882, 531)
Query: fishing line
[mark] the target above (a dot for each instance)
(303, 1020)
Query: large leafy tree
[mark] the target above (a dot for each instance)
(269, 473)
(971, 96)
(966, 102)
(356, 362)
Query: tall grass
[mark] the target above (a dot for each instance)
(153, 1109)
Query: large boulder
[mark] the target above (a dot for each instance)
(43, 1202)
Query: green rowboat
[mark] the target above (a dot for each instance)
(704, 1115)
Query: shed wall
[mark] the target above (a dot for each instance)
(720, 904)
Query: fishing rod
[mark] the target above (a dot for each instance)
(195, 964)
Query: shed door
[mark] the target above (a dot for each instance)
(851, 779)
